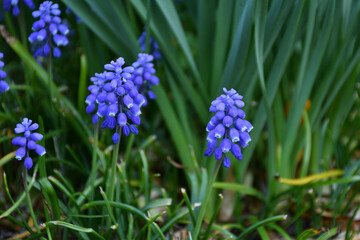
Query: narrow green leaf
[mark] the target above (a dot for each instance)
(102, 30)
(172, 58)
(307, 151)
(260, 224)
(308, 234)
(145, 173)
(24, 222)
(21, 198)
(298, 103)
(109, 209)
(214, 216)
(7, 158)
(157, 203)
(174, 127)
(127, 208)
(239, 44)
(50, 197)
(173, 20)
(82, 83)
(240, 188)
(222, 36)
(63, 189)
(278, 68)
(281, 231)
(205, 23)
(176, 218)
(147, 225)
(332, 232)
(74, 227)
(188, 204)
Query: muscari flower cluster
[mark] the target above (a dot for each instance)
(227, 126)
(154, 47)
(4, 86)
(49, 34)
(28, 142)
(116, 98)
(143, 75)
(15, 8)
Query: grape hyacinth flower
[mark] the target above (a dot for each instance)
(28, 142)
(4, 86)
(116, 98)
(49, 33)
(15, 8)
(143, 75)
(154, 47)
(228, 127)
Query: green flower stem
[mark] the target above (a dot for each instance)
(113, 166)
(206, 198)
(27, 194)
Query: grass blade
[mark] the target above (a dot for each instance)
(74, 227)
(260, 224)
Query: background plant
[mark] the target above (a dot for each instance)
(295, 62)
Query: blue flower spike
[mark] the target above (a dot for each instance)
(143, 76)
(115, 98)
(28, 142)
(4, 86)
(49, 34)
(154, 47)
(14, 4)
(227, 129)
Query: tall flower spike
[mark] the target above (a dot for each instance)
(154, 47)
(28, 142)
(49, 33)
(4, 86)
(228, 130)
(144, 77)
(114, 98)
(14, 4)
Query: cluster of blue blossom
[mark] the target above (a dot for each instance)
(116, 97)
(143, 75)
(154, 47)
(28, 142)
(227, 124)
(4, 86)
(48, 28)
(15, 7)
